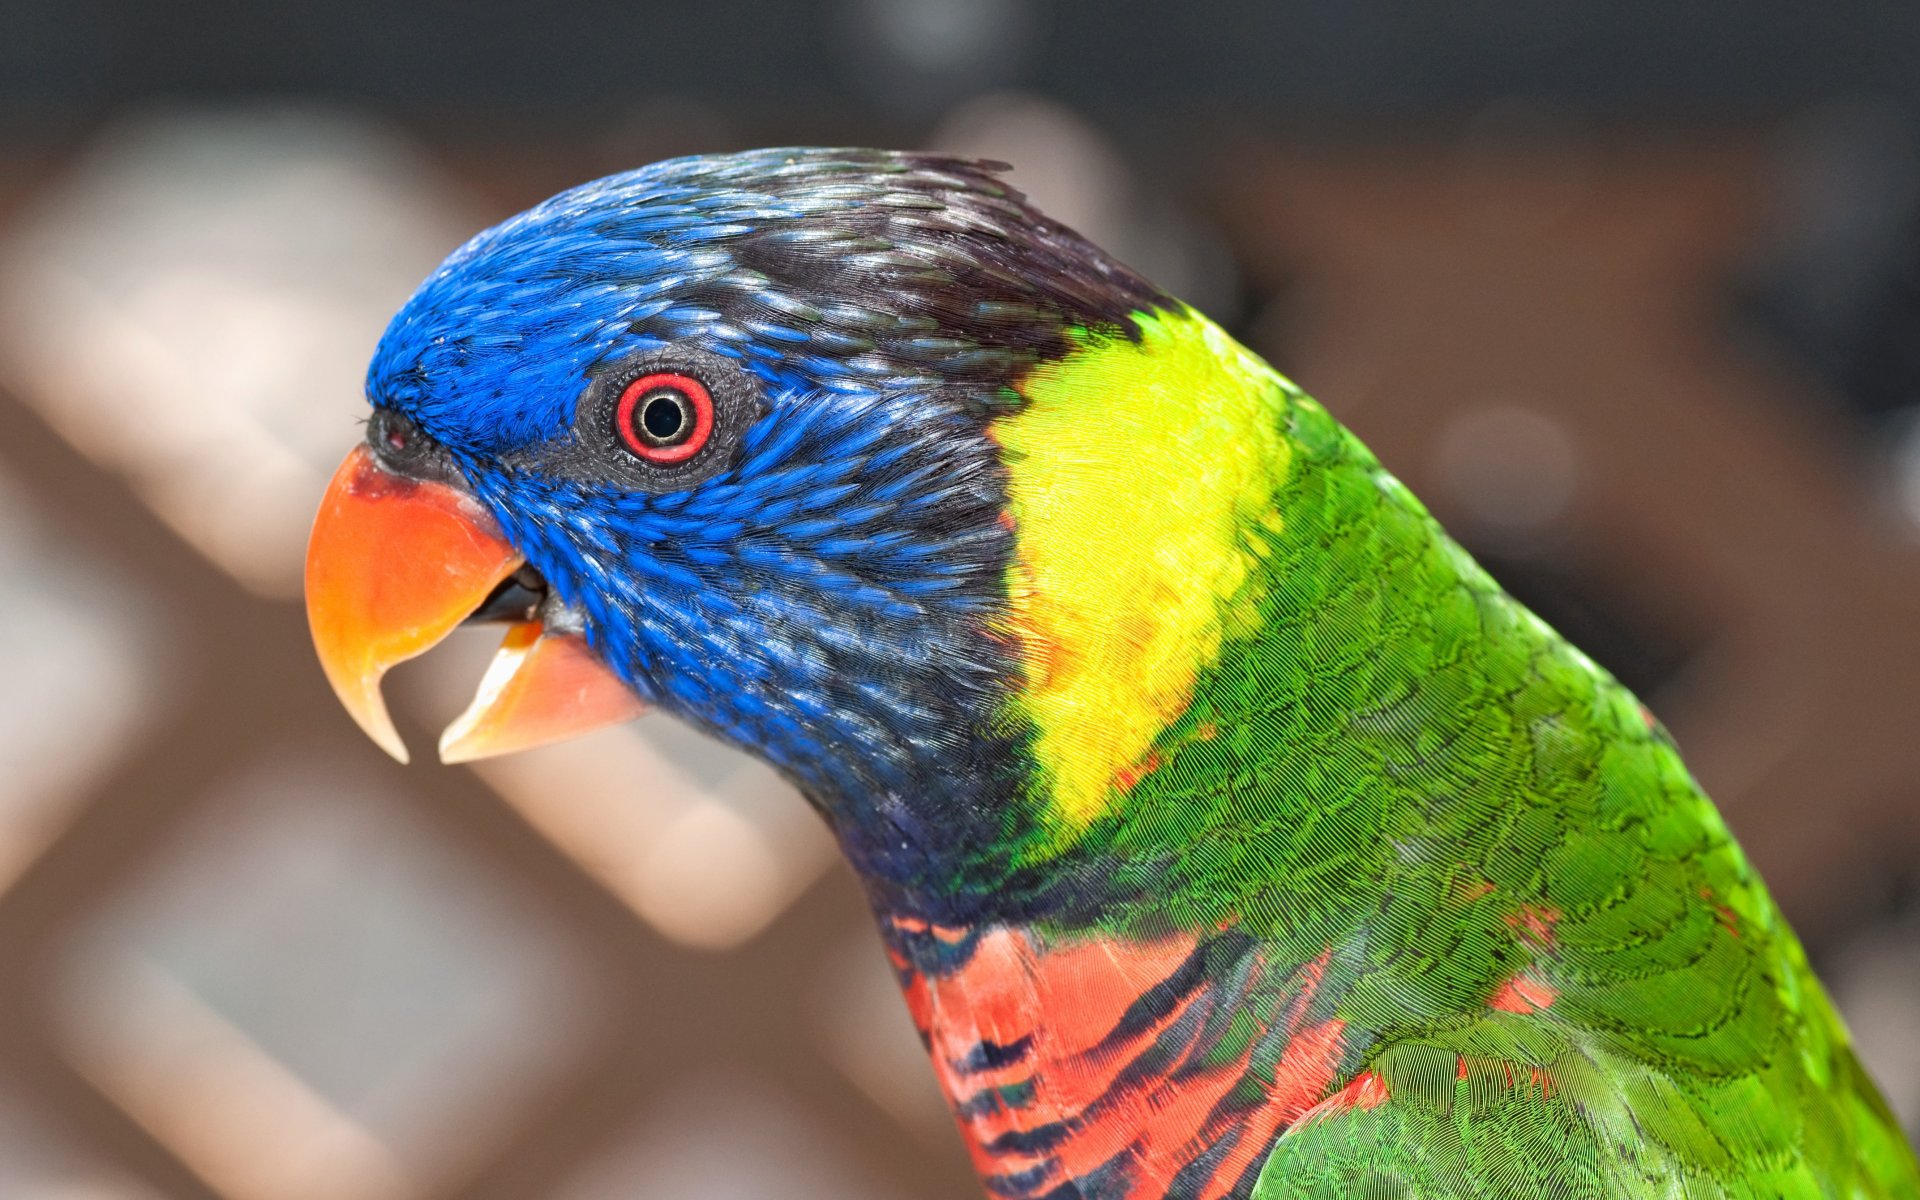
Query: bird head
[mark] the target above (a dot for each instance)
(774, 442)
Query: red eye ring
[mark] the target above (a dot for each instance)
(634, 420)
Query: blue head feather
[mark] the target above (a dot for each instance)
(825, 597)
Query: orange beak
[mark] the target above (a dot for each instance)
(393, 566)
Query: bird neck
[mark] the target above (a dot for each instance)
(1225, 872)
(1143, 481)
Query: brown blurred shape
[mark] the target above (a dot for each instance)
(1530, 331)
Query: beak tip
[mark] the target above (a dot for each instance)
(369, 712)
(453, 752)
(394, 746)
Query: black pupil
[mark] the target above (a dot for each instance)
(664, 416)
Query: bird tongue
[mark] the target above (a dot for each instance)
(393, 566)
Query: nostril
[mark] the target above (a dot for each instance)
(404, 448)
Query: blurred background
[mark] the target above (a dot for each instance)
(1629, 291)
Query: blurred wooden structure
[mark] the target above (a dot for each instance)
(1540, 344)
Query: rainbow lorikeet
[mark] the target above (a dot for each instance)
(1231, 832)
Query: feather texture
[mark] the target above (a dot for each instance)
(1232, 833)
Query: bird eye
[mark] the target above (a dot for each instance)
(665, 417)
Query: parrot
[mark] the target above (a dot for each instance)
(1231, 833)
